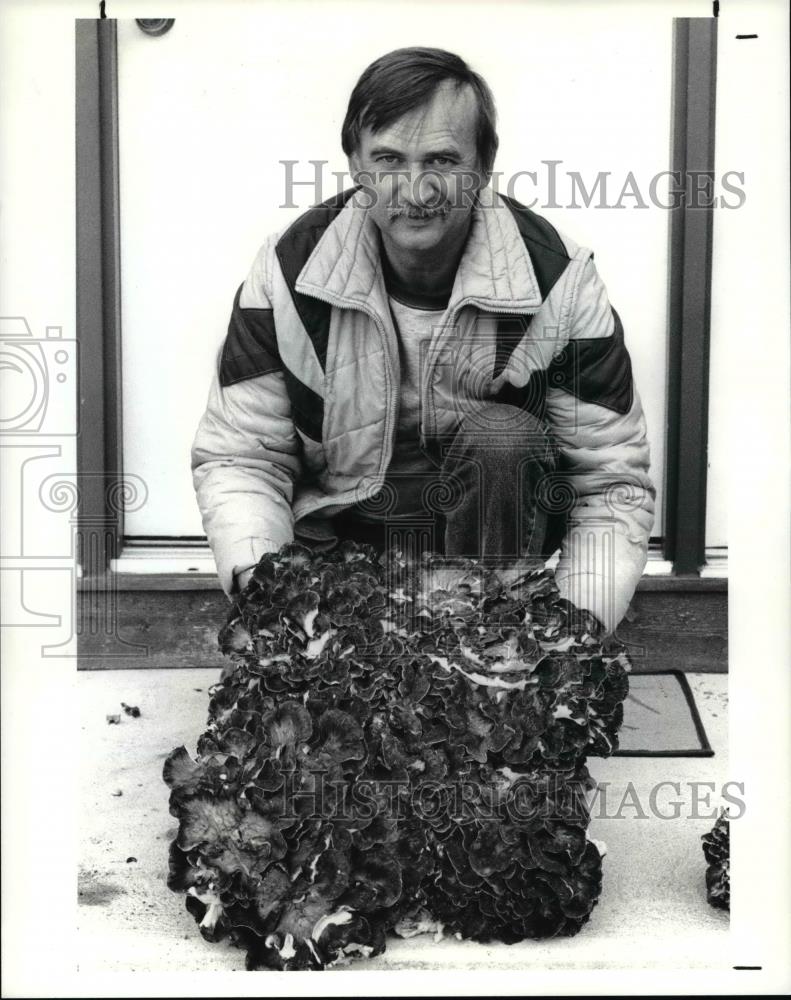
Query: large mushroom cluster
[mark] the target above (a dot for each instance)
(395, 740)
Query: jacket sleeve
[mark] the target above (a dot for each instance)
(597, 418)
(246, 455)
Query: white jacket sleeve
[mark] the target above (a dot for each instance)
(246, 455)
(600, 429)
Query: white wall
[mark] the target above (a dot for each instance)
(37, 298)
(37, 221)
(752, 138)
(208, 110)
(37, 268)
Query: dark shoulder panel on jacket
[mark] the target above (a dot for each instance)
(597, 371)
(293, 250)
(250, 347)
(546, 248)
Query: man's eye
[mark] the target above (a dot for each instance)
(442, 161)
(387, 158)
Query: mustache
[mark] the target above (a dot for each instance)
(414, 212)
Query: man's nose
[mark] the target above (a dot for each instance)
(420, 188)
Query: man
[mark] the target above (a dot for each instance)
(421, 353)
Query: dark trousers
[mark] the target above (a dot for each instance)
(490, 497)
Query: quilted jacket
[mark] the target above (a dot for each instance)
(303, 405)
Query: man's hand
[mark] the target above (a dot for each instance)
(242, 579)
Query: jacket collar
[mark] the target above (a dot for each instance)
(495, 271)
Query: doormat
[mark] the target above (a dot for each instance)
(661, 719)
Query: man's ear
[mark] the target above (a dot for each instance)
(361, 177)
(484, 174)
(355, 166)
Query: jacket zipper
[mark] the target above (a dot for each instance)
(452, 325)
(395, 394)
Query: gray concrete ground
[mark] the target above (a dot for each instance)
(652, 913)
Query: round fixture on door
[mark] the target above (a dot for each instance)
(155, 25)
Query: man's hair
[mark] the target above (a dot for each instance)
(405, 79)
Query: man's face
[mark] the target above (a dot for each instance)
(422, 172)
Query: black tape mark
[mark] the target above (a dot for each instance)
(716, 8)
(748, 968)
(101, 9)
(747, 36)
